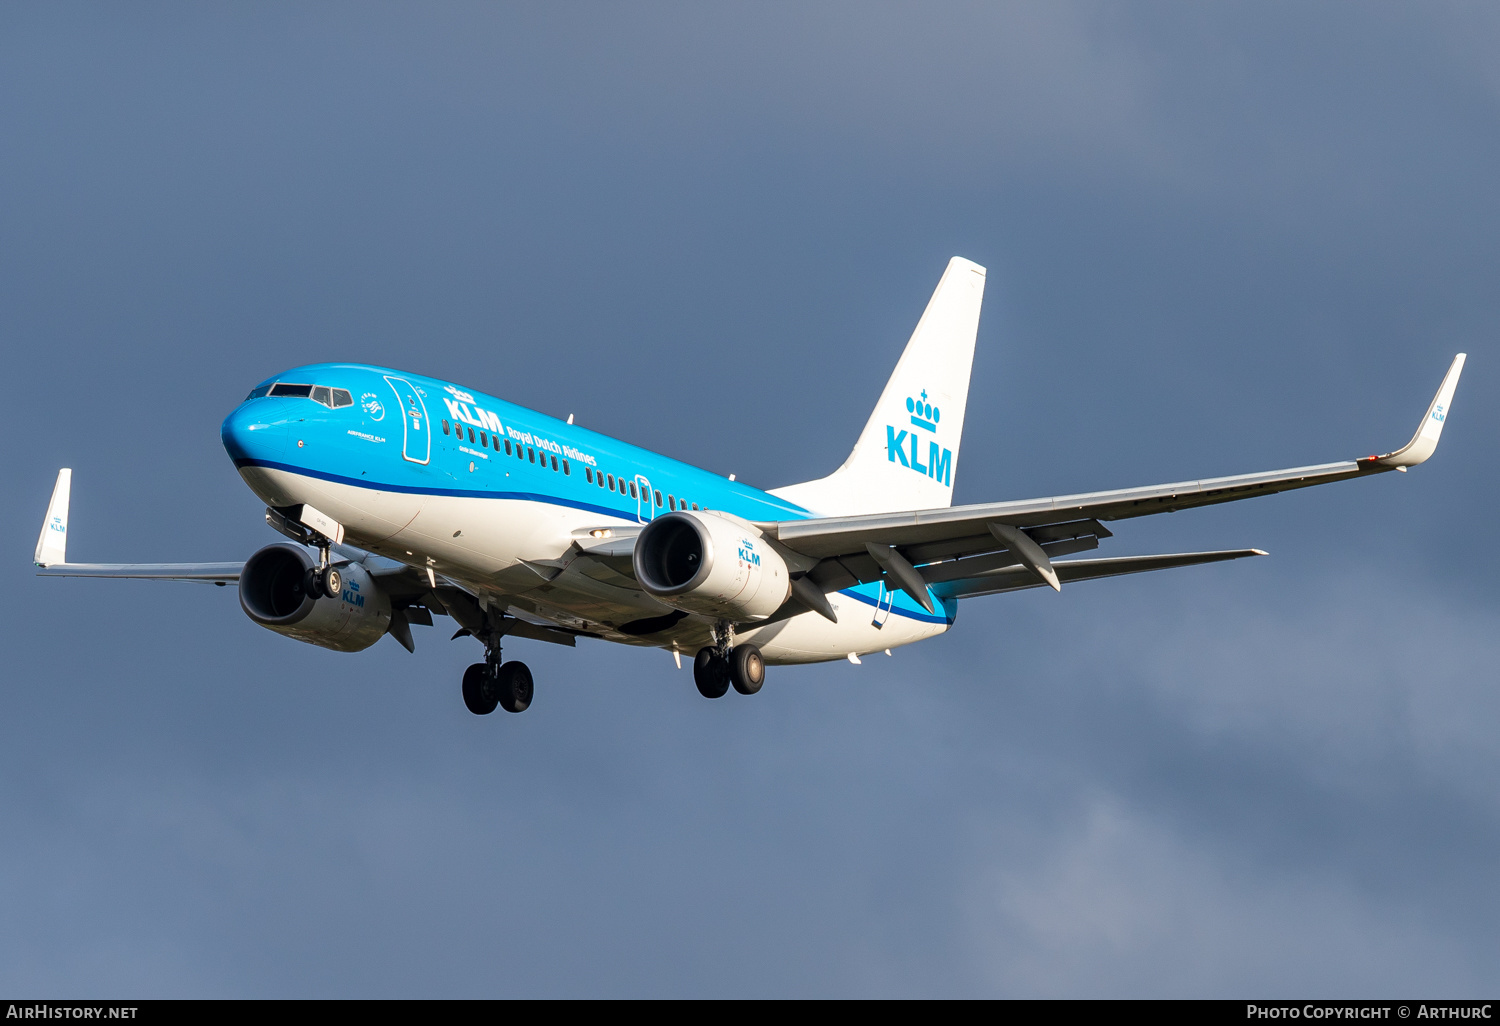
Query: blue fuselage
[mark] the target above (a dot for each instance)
(392, 434)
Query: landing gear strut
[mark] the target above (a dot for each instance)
(323, 580)
(494, 683)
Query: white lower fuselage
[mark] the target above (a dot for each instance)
(520, 554)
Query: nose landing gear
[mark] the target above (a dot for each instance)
(323, 582)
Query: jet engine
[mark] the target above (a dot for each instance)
(274, 593)
(711, 563)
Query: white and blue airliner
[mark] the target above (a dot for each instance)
(403, 497)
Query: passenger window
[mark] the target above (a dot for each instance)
(671, 502)
(341, 397)
(599, 480)
(658, 498)
(531, 454)
(567, 472)
(633, 493)
(445, 427)
(471, 436)
(588, 474)
(695, 505)
(554, 462)
(611, 482)
(484, 439)
(507, 447)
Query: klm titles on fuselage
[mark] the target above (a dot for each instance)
(459, 408)
(924, 415)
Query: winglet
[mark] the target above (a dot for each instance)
(1424, 443)
(52, 546)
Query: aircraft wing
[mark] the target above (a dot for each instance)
(52, 552)
(924, 547)
(219, 573)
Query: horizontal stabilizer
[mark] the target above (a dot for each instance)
(1020, 578)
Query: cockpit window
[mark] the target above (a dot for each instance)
(333, 398)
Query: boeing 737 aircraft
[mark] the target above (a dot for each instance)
(519, 525)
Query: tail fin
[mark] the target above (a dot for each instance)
(907, 455)
(52, 546)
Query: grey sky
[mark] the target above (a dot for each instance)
(1220, 238)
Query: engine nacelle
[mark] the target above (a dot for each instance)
(273, 593)
(711, 563)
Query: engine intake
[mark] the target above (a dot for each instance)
(273, 593)
(711, 563)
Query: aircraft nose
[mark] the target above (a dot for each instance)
(256, 430)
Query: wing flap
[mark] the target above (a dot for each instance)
(1019, 578)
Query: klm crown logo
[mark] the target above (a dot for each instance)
(924, 415)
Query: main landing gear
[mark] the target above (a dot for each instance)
(743, 667)
(493, 683)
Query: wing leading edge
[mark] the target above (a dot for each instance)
(940, 541)
(219, 573)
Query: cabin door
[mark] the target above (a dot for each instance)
(883, 603)
(644, 509)
(416, 440)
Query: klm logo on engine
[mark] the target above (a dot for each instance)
(747, 552)
(905, 446)
(351, 595)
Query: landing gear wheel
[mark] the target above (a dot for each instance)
(331, 581)
(747, 670)
(312, 583)
(513, 685)
(480, 693)
(710, 673)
